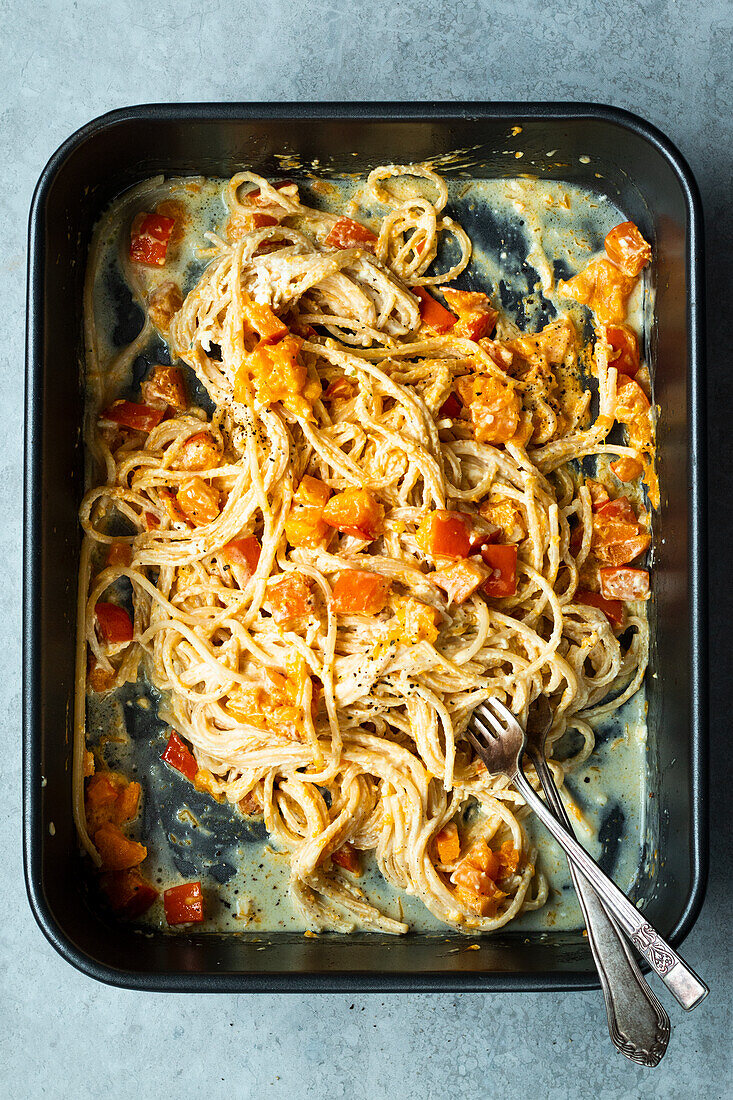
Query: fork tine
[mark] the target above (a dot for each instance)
(483, 713)
(500, 709)
(486, 732)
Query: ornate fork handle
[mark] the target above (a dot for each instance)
(637, 1022)
(682, 982)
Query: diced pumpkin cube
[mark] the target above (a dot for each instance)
(444, 534)
(261, 318)
(347, 857)
(184, 904)
(163, 304)
(346, 233)
(114, 623)
(494, 407)
(501, 560)
(623, 583)
(201, 451)
(198, 501)
(626, 248)
(433, 314)
(460, 579)
(506, 514)
(418, 621)
(116, 850)
(243, 555)
(355, 512)
(279, 376)
(128, 893)
(448, 843)
(291, 598)
(476, 316)
(305, 525)
(602, 287)
(624, 345)
(359, 592)
(627, 468)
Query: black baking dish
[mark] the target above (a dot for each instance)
(598, 147)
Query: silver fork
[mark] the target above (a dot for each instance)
(500, 741)
(637, 1023)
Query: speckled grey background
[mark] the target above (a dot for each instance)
(64, 1036)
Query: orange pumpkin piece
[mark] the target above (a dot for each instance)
(341, 389)
(201, 451)
(476, 316)
(432, 313)
(616, 542)
(149, 238)
(620, 508)
(460, 579)
(626, 468)
(261, 318)
(358, 592)
(472, 878)
(448, 843)
(418, 621)
(114, 623)
(505, 514)
(480, 904)
(631, 402)
(626, 248)
(347, 857)
(128, 893)
(305, 525)
(346, 233)
(355, 512)
(184, 904)
(451, 408)
(602, 287)
(279, 376)
(550, 345)
(109, 797)
(116, 850)
(476, 876)
(624, 345)
(493, 405)
(198, 501)
(623, 583)
(508, 857)
(243, 555)
(291, 598)
(165, 385)
(484, 859)
(312, 493)
(444, 534)
(599, 494)
(119, 553)
(100, 679)
(501, 560)
(132, 414)
(163, 304)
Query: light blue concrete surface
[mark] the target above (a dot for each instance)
(62, 1035)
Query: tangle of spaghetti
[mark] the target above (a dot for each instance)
(383, 522)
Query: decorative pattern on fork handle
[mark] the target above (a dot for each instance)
(654, 949)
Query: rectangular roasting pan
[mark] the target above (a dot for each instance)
(595, 146)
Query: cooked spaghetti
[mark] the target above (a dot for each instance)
(384, 520)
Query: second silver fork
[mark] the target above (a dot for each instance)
(500, 742)
(637, 1023)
